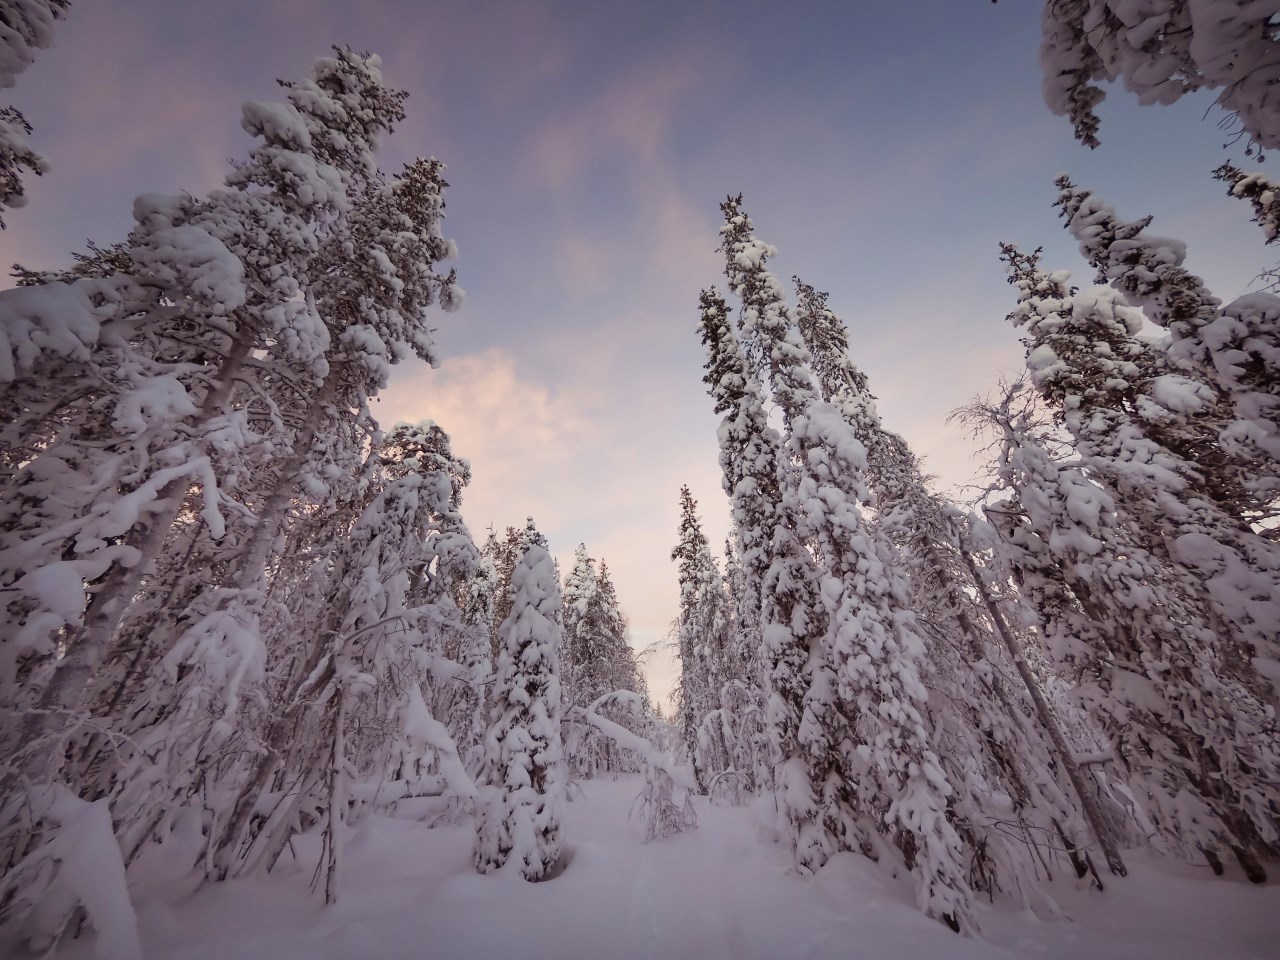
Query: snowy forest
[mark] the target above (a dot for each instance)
(249, 643)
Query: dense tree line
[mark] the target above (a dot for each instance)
(1086, 661)
(235, 606)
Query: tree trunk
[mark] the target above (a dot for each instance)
(1088, 799)
(337, 800)
(275, 507)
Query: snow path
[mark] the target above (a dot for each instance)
(718, 893)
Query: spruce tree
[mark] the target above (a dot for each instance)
(1220, 402)
(1261, 192)
(582, 655)
(519, 811)
(174, 521)
(1134, 421)
(784, 583)
(888, 773)
(583, 662)
(596, 660)
(697, 627)
(1162, 51)
(983, 735)
(368, 685)
(469, 707)
(741, 715)
(1105, 543)
(25, 27)
(622, 666)
(504, 552)
(227, 272)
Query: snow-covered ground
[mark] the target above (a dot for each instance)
(722, 891)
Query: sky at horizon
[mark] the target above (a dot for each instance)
(883, 147)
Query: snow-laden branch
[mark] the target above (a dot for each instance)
(624, 738)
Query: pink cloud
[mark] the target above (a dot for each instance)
(685, 241)
(517, 433)
(631, 116)
(554, 451)
(677, 235)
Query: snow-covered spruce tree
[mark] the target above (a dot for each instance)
(582, 661)
(359, 726)
(726, 733)
(25, 27)
(374, 286)
(1163, 50)
(1188, 736)
(371, 696)
(467, 712)
(596, 659)
(504, 552)
(1123, 531)
(583, 627)
(155, 352)
(622, 665)
(805, 766)
(193, 365)
(1260, 190)
(986, 741)
(1061, 737)
(376, 317)
(873, 650)
(621, 673)
(1232, 429)
(375, 296)
(742, 704)
(701, 634)
(215, 283)
(522, 792)
(1193, 471)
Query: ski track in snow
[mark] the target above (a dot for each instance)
(716, 893)
(642, 925)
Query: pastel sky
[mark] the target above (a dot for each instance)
(883, 146)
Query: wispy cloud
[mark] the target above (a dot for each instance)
(591, 464)
(629, 120)
(518, 433)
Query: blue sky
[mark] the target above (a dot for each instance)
(884, 147)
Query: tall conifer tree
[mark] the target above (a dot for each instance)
(518, 820)
(880, 766)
